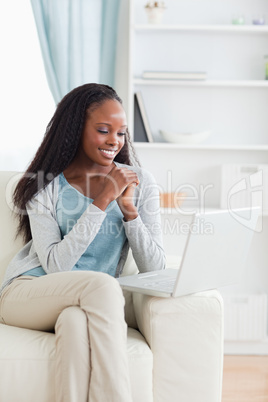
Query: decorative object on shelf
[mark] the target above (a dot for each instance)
(266, 66)
(175, 75)
(155, 10)
(239, 20)
(258, 21)
(142, 130)
(172, 200)
(185, 138)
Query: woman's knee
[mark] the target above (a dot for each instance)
(72, 315)
(105, 288)
(101, 280)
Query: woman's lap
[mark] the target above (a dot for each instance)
(36, 302)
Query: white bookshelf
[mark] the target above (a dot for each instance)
(232, 102)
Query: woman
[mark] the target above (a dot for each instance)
(81, 205)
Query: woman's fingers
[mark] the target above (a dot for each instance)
(121, 178)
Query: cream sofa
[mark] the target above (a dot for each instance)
(175, 345)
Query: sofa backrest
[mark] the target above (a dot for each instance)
(9, 245)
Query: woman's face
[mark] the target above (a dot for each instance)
(104, 134)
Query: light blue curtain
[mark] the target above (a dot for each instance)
(78, 41)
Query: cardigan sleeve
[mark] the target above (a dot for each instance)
(57, 254)
(145, 232)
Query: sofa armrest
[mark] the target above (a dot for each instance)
(185, 335)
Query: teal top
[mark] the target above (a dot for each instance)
(103, 253)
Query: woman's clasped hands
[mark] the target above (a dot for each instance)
(119, 184)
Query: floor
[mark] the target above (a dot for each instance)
(245, 379)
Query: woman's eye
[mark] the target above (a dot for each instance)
(121, 134)
(103, 131)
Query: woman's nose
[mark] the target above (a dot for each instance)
(112, 139)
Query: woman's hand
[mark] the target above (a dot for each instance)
(118, 185)
(125, 203)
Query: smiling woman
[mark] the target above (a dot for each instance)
(26, 101)
(83, 204)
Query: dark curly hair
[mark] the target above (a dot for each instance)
(60, 144)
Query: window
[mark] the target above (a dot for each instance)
(27, 104)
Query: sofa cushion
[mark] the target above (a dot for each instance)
(27, 359)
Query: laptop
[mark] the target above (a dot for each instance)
(215, 255)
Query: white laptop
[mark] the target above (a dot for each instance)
(214, 256)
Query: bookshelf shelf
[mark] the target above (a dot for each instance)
(175, 146)
(186, 211)
(254, 29)
(203, 83)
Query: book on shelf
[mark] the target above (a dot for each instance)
(142, 131)
(175, 75)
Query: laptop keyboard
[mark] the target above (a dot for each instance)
(164, 284)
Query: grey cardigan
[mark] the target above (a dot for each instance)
(54, 254)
